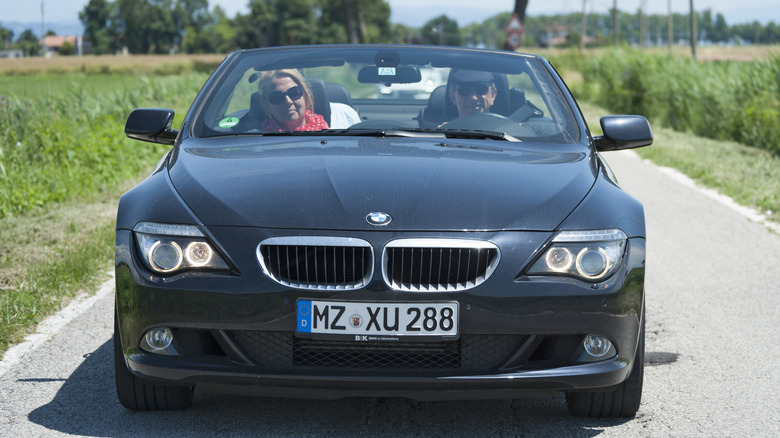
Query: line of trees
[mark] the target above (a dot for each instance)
(190, 26)
(565, 30)
(165, 26)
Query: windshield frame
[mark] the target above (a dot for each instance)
(215, 94)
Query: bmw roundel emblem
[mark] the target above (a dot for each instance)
(378, 218)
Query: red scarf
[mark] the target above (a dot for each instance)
(312, 122)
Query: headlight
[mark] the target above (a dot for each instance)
(587, 255)
(171, 248)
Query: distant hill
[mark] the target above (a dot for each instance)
(60, 28)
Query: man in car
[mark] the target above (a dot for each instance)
(472, 91)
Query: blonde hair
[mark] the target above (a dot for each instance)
(266, 85)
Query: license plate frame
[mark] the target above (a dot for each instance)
(377, 321)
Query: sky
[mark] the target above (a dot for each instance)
(417, 12)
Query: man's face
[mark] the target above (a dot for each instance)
(472, 98)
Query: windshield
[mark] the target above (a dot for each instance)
(385, 90)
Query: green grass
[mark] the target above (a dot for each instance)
(66, 139)
(72, 266)
(33, 87)
(749, 175)
(64, 162)
(737, 101)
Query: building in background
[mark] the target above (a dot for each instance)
(61, 45)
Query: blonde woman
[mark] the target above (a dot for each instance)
(288, 103)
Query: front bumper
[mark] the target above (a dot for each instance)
(538, 383)
(222, 324)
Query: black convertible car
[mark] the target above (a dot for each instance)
(383, 221)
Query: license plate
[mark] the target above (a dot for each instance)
(377, 321)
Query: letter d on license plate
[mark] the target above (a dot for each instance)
(378, 320)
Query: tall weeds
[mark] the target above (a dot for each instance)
(72, 144)
(737, 101)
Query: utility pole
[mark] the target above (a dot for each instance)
(615, 25)
(583, 23)
(43, 37)
(669, 26)
(642, 23)
(693, 31)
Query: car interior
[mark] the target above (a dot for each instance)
(410, 101)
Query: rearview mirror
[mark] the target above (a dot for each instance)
(403, 74)
(623, 132)
(151, 124)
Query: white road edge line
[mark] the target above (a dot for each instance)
(750, 213)
(53, 324)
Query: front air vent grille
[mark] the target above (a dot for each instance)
(428, 265)
(469, 353)
(311, 262)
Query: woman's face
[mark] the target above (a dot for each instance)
(283, 105)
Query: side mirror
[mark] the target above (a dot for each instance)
(623, 132)
(151, 124)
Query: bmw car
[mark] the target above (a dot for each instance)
(312, 233)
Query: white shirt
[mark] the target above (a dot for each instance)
(342, 116)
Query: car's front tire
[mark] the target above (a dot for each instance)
(622, 402)
(137, 394)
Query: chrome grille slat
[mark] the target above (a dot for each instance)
(314, 262)
(341, 263)
(457, 264)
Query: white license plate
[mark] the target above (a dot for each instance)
(367, 321)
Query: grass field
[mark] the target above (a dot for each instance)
(42, 85)
(64, 162)
(135, 64)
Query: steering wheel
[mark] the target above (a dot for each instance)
(489, 122)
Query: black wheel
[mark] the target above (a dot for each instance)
(622, 402)
(137, 394)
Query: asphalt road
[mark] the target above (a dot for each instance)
(713, 303)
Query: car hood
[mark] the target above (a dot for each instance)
(334, 183)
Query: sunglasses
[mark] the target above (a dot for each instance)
(478, 89)
(278, 97)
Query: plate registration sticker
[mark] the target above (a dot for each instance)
(370, 320)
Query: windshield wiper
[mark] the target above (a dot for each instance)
(423, 133)
(478, 134)
(405, 132)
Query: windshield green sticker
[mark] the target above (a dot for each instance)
(228, 122)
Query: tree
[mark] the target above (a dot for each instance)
(67, 49)
(332, 28)
(441, 30)
(375, 16)
(147, 26)
(353, 21)
(260, 27)
(297, 23)
(198, 27)
(225, 32)
(28, 43)
(719, 29)
(193, 13)
(6, 37)
(96, 19)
